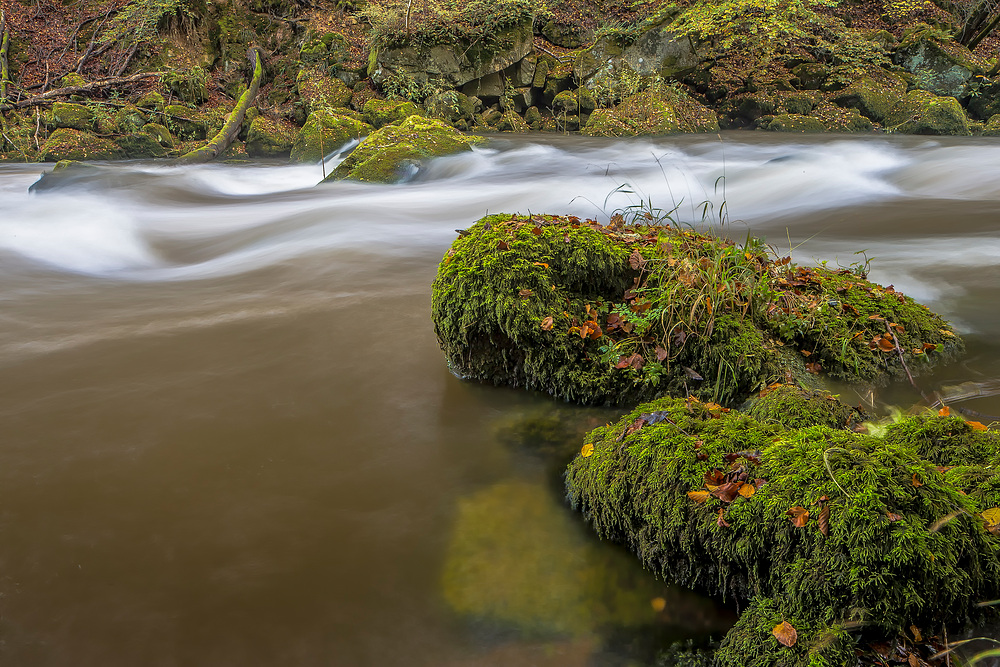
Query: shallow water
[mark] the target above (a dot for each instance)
(228, 436)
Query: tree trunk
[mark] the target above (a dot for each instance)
(231, 128)
(4, 44)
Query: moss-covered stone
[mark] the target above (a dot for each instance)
(151, 100)
(839, 119)
(940, 66)
(516, 559)
(889, 529)
(188, 85)
(789, 122)
(992, 128)
(326, 131)
(379, 113)
(129, 119)
(389, 152)
(269, 137)
(69, 144)
(160, 133)
(925, 113)
(876, 97)
(186, 123)
(140, 145)
(318, 90)
(511, 122)
(72, 116)
(659, 110)
(571, 309)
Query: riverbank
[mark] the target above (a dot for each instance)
(335, 72)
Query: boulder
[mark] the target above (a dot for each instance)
(779, 517)
(984, 98)
(925, 113)
(325, 131)
(942, 67)
(876, 97)
(655, 52)
(790, 122)
(318, 90)
(395, 151)
(184, 122)
(655, 111)
(160, 134)
(151, 100)
(140, 145)
(379, 113)
(268, 137)
(992, 128)
(452, 65)
(458, 109)
(72, 116)
(516, 300)
(68, 144)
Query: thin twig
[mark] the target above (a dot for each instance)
(45, 98)
(899, 350)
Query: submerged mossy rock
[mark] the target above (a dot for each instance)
(814, 526)
(925, 113)
(67, 144)
(517, 560)
(388, 154)
(325, 131)
(622, 313)
(269, 137)
(662, 111)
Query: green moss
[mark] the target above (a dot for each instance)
(387, 152)
(151, 100)
(325, 131)
(703, 315)
(268, 137)
(318, 90)
(794, 407)
(790, 122)
(876, 97)
(186, 123)
(188, 85)
(925, 113)
(67, 144)
(140, 145)
(992, 128)
(380, 113)
(72, 116)
(904, 544)
(160, 133)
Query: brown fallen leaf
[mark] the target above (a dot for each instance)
(525, 292)
(799, 516)
(728, 492)
(502, 245)
(699, 496)
(548, 323)
(916, 481)
(785, 633)
(894, 517)
(720, 521)
(824, 520)
(916, 633)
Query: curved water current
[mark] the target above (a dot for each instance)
(228, 436)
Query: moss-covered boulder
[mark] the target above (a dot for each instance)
(67, 144)
(938, 63)
(790, 122)
(319, 90)
(72, 116)
(390, 152)
(324, 132)
(140, 145)
(160, 133)
(379, 113)
(794, 407)
(925, 113)
(185, 122)
(620, 314)
(188, 85)
(876, 97)
(517, 560)
(151, 100)
(654, 111)
(992, 128)
(129, 119)
(816, 527)
(270, 137)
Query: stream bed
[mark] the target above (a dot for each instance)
(228, 435)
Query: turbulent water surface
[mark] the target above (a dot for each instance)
(228, 436)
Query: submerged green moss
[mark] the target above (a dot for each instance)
(626, 313)
(891, 538)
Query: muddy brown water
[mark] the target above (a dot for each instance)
(228, 436)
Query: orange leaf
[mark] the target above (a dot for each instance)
(916, 482)
(785, 633)
(547, 323)
(747, 490)
(587, 450)
(895, 517)
(886, 344)
(541, 264)
(799, 516)
(699, 496)
(824, 520)
(525, 292)
(944, 412)
(978, 426)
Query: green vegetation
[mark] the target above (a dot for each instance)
(625, 313)
(399, 23)
(822, 528)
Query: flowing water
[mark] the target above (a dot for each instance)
(228, 436)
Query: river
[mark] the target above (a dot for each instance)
(228, 435)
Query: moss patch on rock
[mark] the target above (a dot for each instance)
(379, 113)
(325, 131)
(67, 144)
(655, 111)
(72, 116)
(387, 153)
(625, 313)
(794, 407)
(925, 113)
(269, 137)
(816, 526)
(790, 122)
(318, 90)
